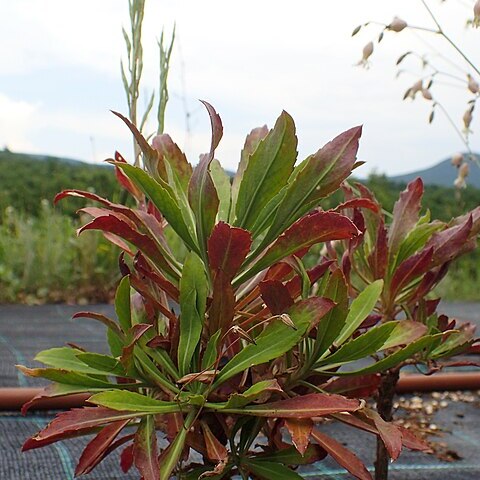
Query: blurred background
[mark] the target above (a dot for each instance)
(60, 77)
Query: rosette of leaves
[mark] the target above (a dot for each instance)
(248, 353)
(411, 253)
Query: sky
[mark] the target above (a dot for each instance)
(60, 76)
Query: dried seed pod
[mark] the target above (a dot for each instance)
(427, 95)
(459, 183)
(464, 170)
(467, 119)
(476, 14)
(397, 25)
(366, 53)
(472, 84)
(457, 159)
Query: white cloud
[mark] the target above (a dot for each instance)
(250, 59)
(17, 119)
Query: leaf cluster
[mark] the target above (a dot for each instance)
(236, 341)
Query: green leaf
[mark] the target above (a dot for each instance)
(291, 456)
(66, 358)
(238, 400)
(193, 299)
(395, 358)
(144, 363)
(66, 377)
(222, 184)
(145, 449)
(103, 363)
(133, 402)
(318, 176)
(173, 452)
(114, 342)
(333, 322)
(162, 197)
(271, 470)
(360, 308)
(275, 340)
(211, 352)
(267, 171)
(122, 304)
(360, 347)
(416, 239)
(251, 144)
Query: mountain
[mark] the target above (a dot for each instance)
(27, 179)
(442, 174)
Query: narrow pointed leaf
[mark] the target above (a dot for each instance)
(193, 298)
(267, 171)
(132, 402)
(202, 195)
(251, 144)
(272, 471)
(96, 449)
(405, 214)
(360, 308)
(344, 457)
(304, 406)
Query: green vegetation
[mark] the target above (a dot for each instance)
(25, 180)
(47, 262)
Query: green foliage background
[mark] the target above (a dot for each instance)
(42, 260)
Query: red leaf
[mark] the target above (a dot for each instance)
(144, 268)
(124, 181)
(150, 155)
(276, 296)
(410, 269)
(126, 458)
(222, 308)
(75, 421)
(311, 229)
(306, 406)
(227, 248)
(412, 442)
(202, 195)
(116, 207)
(344, 457)
(124, 228)
(389, 433)
(450, 242)
(97, 448)
(378, 259)
(358, 203)
(355, 387)
(108, 322)
(405, 213)
(169, 150)
(300, 430)
(215, 450)
(334, 162)
(135, 333)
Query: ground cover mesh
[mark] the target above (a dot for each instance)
(26, 330)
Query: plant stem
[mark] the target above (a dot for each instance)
(448, 39)
(386, 393)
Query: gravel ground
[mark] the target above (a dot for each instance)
(452, 418)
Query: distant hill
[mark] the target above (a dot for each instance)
(27, 179)
(442, 174)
